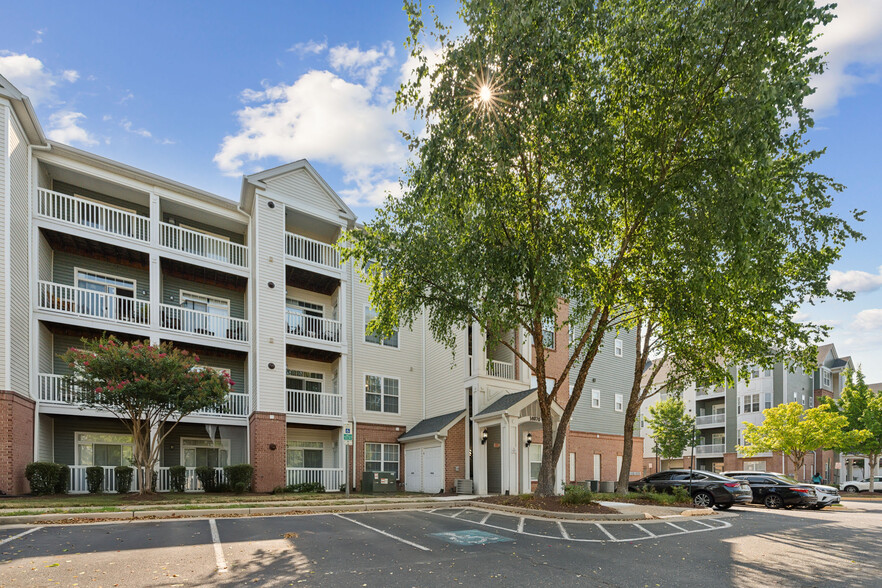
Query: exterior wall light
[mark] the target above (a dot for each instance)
(529, 440)
(484, 435)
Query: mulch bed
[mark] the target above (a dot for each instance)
(550, 503)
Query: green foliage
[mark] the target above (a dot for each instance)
(208, 478)
(672, 429)
(177, 478)
(577, 494)
(638, 160)
(239, 477)
(46, 477)
(862, 407)
(94, 479)
(681, 494)
(123, 476)
(305, 487)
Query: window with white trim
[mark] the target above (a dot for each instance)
(377, 339)
(811, 400)
(303, 318)
(826, 378)
(595, 398)
(548, 326)
(535, 460)
(98, 304)
(767, 400)
(620, 402)
(305, 454)
(381, 394)
(304, 381)
(103, 449)
(205, 452)
(214, 317)
(751, 402)
(381, 457)
(619, 348)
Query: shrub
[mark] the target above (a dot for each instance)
(177, 478)
(63, 482)
(206, 477)
(304, 487)
(576, 494)
(44, 477)
(681, 494)
(239, 477)
(123, 475)
(94, 479)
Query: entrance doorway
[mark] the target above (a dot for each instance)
(494, 460)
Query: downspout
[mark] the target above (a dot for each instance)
(251, 354)
(351, 303)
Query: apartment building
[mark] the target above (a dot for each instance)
(721, 414)
(257, 289)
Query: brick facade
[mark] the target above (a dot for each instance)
(268, 442)
(454, 455)
(16, 441)
(586, 445)
(371, 433)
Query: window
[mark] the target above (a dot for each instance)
(754, 371)
(213, 318)
(94, 299)
(811, 401)
(305, 454)
(767, 373)
(751, 403)
(103, 449)
(548, 327)
(620, 348)
(304, 318)
(304, 381)
(535, 460)
(369, 315)
(205, 452)
(755, 466)
(380, 394)
(826, 379)
(381, 457)
(768, 400)
(620, 402)
(595, 398)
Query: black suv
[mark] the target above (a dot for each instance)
(776, 492)
(708, 489)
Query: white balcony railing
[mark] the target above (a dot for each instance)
(501, 369)
(94, 216)
(300, 247)
(709, 449)
(197, 322)
(710, 419)
(79, 483)
(312, 327)
(202, 245)
(314, 403)
(330, 478)
(236, 404)
(100, 305)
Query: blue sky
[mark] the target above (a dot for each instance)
(204, 93)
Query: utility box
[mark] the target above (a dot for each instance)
(372, 482)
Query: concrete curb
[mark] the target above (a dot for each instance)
(572, 516)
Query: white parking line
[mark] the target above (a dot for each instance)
(14, 537)
(563, 532)
(608, 534)
(705, 524)
(391, 536)
(676, 527)
(647, 531)
(521, 525)
(484, 520)
(218, 548)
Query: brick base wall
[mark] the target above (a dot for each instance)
(454, 455)
(16, 441)
(585, 445)
(268, 438)
(371, 433)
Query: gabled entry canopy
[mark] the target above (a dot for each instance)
(428, 428)
(517, 404)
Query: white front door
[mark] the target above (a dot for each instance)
(413, 471)
(433, 463)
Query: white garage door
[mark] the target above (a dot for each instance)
(413, 474)
(433, 463)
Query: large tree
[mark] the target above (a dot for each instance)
(643, 161)
(862, 407)
(149, 388)
(672, 428)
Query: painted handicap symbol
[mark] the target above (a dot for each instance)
(470, 537)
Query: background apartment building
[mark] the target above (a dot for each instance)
(255, 288)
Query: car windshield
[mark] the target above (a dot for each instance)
(788, 479)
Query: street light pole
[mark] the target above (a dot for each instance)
(692, 459)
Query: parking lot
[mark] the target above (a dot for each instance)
(453, 547)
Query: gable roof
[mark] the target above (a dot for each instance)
(841, 362)
(434, 426)
(506, 401)
(24, 111)
(823, 351)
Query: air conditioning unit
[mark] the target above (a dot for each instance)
(464, 487)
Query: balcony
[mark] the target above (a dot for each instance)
(501, 369)
(52, 390)
(204, 246)
(706, 393)
(312, 252)
(301, 402)
(79, 485)
(330, 478)
(710, 420)
(81, 302)
(313, 329)
(711, 449)
(196, 322)
(93, 216)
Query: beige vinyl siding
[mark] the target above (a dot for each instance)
(445, 375)
(44, 259)
(4, 274)
(404, 363)
(19, 253)
(45, 426)
(171, 446)
(64, 266)
(299, 187)
(330, 457)
(46, 353)
(269, 264)
(142, 209)
(66, 428)
(172, 286)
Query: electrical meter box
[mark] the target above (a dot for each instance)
(378, 482)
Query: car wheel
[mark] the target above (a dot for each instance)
(703, 500)
(851, 489)
(819, 506)
(724, 506)
(773, 501)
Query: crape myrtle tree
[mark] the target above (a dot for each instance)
(862, 407)
(672, 429)
(643, 161)
(149, 388)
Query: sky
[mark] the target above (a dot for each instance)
(205, 92)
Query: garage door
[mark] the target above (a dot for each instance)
(413, 470)
(433, 481)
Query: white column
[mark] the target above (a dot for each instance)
(343, 385)
(479, 460)
(155, 297)
(155, 217)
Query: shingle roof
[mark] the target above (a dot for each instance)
(507, 401)
(841, 361)
(431, 426)
(823, 350)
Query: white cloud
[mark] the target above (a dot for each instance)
(39, 38)
(368, 66)
(308, 48)
(70, 75)
(854, 280)
(324, 118)
(65, 128)
(853, 42)
(129, 128)
(868, 320)
(32, 77)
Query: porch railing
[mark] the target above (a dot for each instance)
(197, 322)
(501, 369)
(79, 485)
(710, 448)
(95, 216)
(83, 302)
(312, 327)
(314, 403)
(300, 247)
(330, 478)
(202, 245)
(710, 419)
(236, 404)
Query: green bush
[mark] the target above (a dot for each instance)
(681, 494)
(123, 475)
(177, 478)
(239, 477)
(46, 477)
(304, 487)
(63, 483)
(94, 479)
(577, 494)
(206, 476)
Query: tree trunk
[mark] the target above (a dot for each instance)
(874, 463)
(628, 443)
(545, 481)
